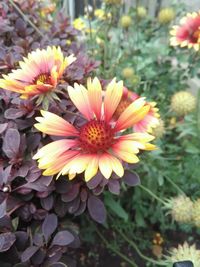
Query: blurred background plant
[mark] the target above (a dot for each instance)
(134, 46)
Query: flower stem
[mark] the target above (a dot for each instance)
(26, 18)
(109, 246)
(132, 244)
(152, 194)
(175, 185)
(90, 26)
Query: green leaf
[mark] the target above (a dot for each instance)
(116, 207)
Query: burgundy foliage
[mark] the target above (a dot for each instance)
(36, 211)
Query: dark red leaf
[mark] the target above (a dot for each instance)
(114, 186)
(6, 241)
(3, 127)
(38, 240)
(95, 181)
(72, 194)
(28, 253)
(49, 225)
(96, 209)
(3, 208)
(58, 264)
(13, 113)
(63, 238)
(11, 143)
(131, 178)
(47, 203)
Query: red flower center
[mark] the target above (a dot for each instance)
(195, 36)
(43, 78)
(96, 136)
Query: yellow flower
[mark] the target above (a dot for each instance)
(126, 21)
(79, 24)
(166, 15)
(141, 12)
(182, 103)
(100, 14)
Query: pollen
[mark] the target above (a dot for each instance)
(96, 136)
(43, 78)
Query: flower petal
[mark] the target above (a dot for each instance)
(126, 156)
(57, 165)
(52, 124)
(95, 96)
(132, 114)
(104, 165)
(112, 98)
(92, 168)
(79, 96)
(77, 165)
(54, 149)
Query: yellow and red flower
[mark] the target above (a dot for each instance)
(188, 33)
(99, 144)
(39, 73)
(149, 121)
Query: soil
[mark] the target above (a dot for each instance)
(98, 255)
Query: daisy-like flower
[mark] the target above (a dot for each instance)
(149, 121)
(39, 73)
(187, 34)
(99, 144)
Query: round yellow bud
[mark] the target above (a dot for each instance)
(182, 103)
(135, 80)
(196, 213)
(159, 130)
(181, 209)
(141, 12)
(100, 42)
(128, 72)
(126, 21)
(166, 15)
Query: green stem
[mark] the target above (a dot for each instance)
(132, 244)
(26, 18)
(175, 185)
(90, 26)
(109, 246)
(152, 194)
